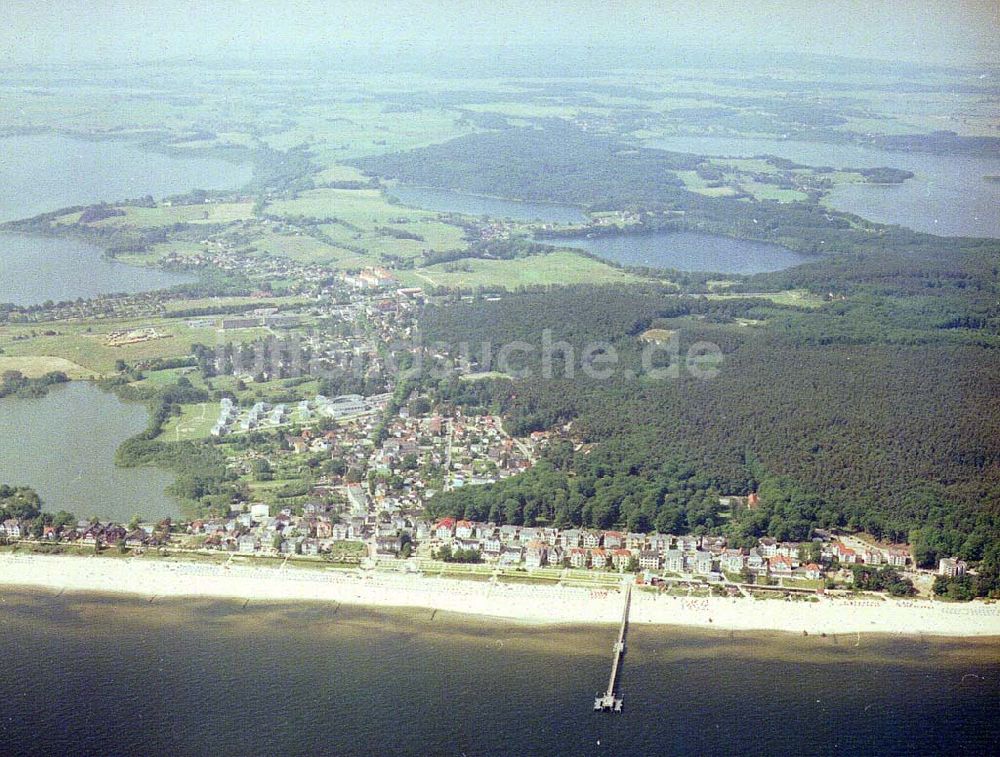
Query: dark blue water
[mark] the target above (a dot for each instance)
(948, 194)
(43, 172)
(86, 675)
(686, 251)
(445, 201)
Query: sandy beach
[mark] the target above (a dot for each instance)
(526, 603)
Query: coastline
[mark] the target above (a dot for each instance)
(535, 605)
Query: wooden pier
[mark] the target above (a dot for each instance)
(609, 702)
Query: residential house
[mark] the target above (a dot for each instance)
(649, 560)
(113, 534)
(12, 528)
(635, 541)
(844, 554)
(570, 538)
(578, 557)
(713, 544)
(549, 535)
(789, 549)
(511, 555)
(310, 547)
(780, 566)
(341, 531)
(536, 555)
(898, 558)
(598, 558)
(951, 567)
(613, 539)
(757, 563)
(812, 571)
(388, 546)
(444, 529)
(732, 560)
(590, 539)
(468, 545)
(872, 557)
(673, 561)
(659, 543)
(702, 563)
(509, 534)
(687, 543)
(620, 558)
(91, 535)
(136, 538)
(529, 534)
(768, 547)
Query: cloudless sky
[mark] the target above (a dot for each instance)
(958, 32)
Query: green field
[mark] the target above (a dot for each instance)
(561, 267)
(339, 173)
(366, 227)
(694, 183)
(796, 297)
(167, 215)
(305, 249)
(86, 345)
(772, 192)
(34, 366)
(194, 422)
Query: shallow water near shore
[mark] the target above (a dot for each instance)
(117, 675)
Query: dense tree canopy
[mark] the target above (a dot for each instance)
(841, 416)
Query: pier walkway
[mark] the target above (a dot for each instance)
(609, 702)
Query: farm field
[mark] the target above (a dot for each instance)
(796, 297)
(561, 267)
(34, 366)
(87, 345)
(194, 422)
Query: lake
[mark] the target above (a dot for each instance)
(35, 269)
(44, 172)
(63, 445)
(86, 674)
(446, 201)
(686, 251)
(948, 194)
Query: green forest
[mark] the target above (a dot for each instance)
(838, 417)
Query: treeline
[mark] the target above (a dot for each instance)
(202, 479)
(24, 504)
(868, 578)
(886, 175)
(940, 142)
(17, 384)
